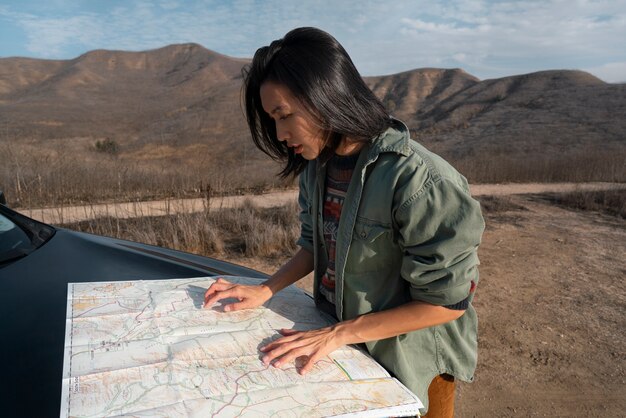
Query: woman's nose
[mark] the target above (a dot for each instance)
(281, 133)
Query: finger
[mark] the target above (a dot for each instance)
(213, 297)
(222, 294)
(291, 356)
(219, 284)
(308, 365)
(278, 351)
(216, 287)
(288, 332)
(277, 342)
(245, 304)
(268, 348)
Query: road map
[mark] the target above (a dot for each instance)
(149, 348)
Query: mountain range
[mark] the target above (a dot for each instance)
(178, 96)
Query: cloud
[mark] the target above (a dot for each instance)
(614, 72)
(518, 35)
(486, 38)
(418, 25)
(47, 37)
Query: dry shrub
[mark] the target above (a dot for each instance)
(497, 204)
(247, 230)
(69, 171)
(262, 232)
(612, 202)
(575, 166)
(36, 175)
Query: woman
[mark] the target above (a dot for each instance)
(389, 228)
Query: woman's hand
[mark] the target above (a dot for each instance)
(249, 296)
(307, 346)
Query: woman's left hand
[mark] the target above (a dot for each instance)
(309, 346)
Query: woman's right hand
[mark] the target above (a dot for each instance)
(248, 296)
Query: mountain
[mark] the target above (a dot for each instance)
(167, 101)
(409, 91)
(542, 112)
(115, 94)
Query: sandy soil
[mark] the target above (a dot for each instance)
(551, 303)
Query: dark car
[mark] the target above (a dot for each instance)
(37, 261)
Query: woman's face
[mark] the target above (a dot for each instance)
(294, 125)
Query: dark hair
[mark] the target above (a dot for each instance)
(320, 74)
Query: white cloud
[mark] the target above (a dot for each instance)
(486, 38)
(499, 38)
(47, 38)
(614, 72)
(418, 26)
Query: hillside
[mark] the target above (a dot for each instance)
(548, 112)
(189, 93)
(179, 106)
(114, 93)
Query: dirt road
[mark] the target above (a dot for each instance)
(68, 214)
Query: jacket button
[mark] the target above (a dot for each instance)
(363, 234)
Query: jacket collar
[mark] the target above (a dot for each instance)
(395, 139)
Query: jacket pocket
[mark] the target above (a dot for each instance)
(369, 232)
(372, 248)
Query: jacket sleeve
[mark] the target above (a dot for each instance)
(439, 230)
(306, 222)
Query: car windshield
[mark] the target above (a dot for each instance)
(12, 238)
(19, 236)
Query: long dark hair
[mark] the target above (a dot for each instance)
(320, 74)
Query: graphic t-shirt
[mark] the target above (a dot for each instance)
(338, 175)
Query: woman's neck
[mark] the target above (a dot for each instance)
(348, 147)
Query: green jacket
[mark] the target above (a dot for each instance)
(409, 230)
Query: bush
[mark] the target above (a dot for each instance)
(247, 230)
(107, 146)
(612, 202)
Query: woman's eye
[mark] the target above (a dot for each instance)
(283, 117)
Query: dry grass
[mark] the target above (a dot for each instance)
(510, 209)
(77, 172)
(498, 204)
(581, 166)
(250, 231)
(245, 231)
(612, 202)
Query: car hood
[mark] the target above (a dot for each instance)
(33, 292)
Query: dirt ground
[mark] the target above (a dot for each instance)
(551, 306)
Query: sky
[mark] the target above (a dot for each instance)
(488, 39)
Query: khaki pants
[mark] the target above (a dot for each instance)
(441, 397)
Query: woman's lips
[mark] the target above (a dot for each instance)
(297, 149)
